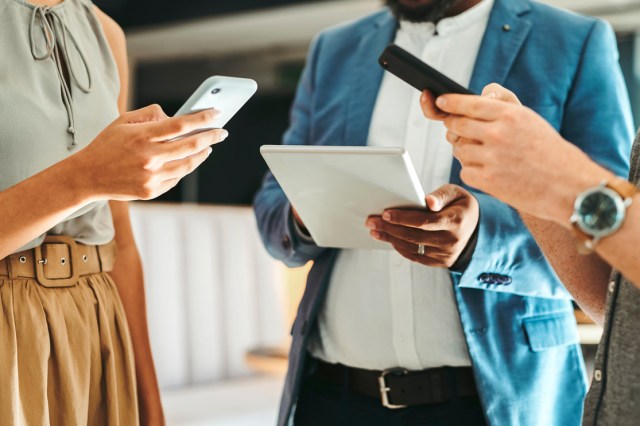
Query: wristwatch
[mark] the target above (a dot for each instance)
(599, 212)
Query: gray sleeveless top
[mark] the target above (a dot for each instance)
(59, 88)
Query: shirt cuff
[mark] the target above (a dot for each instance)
(302, 234)
(467, 254)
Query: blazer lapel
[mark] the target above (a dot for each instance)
(506, 33)
(366, 79)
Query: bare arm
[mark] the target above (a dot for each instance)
(64, 194)
(585, 277)
(129, 280)
(549, 169)
(126, 161)
(489, 134)
(127, 272)
(619, 250)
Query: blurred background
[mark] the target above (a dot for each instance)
(219, 333)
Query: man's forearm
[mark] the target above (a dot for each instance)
(585, 277)
(619, 249)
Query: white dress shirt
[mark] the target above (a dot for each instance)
(382, 310)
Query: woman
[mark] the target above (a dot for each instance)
(571, 205)
(74, 347)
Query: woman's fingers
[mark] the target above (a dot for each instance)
(174, 127)
(180, 168)
(163, 187)
(147, 114)
(190, 145)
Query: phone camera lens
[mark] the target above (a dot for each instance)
(385, 64)
(215, 91)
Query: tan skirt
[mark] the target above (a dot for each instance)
(65, 355)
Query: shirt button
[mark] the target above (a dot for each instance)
(597, 375)
(286, 242)
(612, 286)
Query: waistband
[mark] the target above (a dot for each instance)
(59, 261)
(400, 388)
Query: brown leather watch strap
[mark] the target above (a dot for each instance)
(623, 187)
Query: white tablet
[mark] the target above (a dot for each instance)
(334, 189)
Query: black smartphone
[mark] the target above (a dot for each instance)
(412, 70)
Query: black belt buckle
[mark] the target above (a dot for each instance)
(385, 389)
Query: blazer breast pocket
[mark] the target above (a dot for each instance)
(551, 330)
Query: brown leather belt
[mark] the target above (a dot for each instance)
(59, 261)
(399, 388)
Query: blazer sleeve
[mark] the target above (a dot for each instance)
(597, 118)
(281, 237)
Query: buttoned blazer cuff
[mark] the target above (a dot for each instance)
(506, 258)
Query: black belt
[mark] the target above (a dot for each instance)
(399, 388)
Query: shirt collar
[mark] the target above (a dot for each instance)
(446, 26)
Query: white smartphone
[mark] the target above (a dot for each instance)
(226, 94)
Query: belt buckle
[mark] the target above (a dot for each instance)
(384, 389)
(40, 261)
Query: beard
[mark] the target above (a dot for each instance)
(432, 12)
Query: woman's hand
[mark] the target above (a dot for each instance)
(132, 159)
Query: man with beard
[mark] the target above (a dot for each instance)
(464, 322)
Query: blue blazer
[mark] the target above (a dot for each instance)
(517, 317)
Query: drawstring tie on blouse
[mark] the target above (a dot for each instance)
(53, 29)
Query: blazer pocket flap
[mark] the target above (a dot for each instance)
(548, 331)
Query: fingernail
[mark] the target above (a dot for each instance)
(209, 151)
(386, 216)
(223, 134)
(441, 102)
(491, 95)
(375, 234)
(423, 98)
(435, 202)
(370, 224)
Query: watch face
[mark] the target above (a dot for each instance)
(600, 212)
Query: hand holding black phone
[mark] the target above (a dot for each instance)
(412, 70)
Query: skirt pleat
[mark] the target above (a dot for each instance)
(65, 355)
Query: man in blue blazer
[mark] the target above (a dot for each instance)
(520, 361)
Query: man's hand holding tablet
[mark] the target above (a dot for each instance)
(436, 236)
